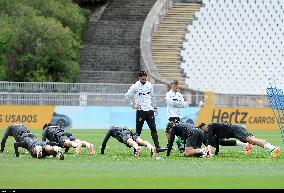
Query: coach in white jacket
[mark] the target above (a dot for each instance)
(175, 101)
(141, 97)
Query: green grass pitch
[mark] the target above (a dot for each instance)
(118, 168)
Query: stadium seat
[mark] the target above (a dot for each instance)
(234, 47)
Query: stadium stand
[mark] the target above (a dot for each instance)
(110, 70)
(111, 51)
(168, 38)
(235, 46)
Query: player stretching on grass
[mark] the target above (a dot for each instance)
(223, 142)
(226, 142)
(57, 134)
(225, 130)
(30, 142)
(129, 138)
(193, 138)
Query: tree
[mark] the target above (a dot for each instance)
(6, 36)
(42, 40)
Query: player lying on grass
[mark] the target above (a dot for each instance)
(66, 140)
(27, 140)
(192, 136)
(129, 138)
(225, 130)
(223, 142)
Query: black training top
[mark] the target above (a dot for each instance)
(18, 131)
(219, 130)
(114, 131)
(52, 133)
(181, 130)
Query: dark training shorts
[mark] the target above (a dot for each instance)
(61, 140)
(194, 138)
(72, 138)
(240, 133)
(125, 135)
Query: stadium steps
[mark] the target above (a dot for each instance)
(110, 52)
(114, 32)
(168, 38)
(109, 76)
(92, 55)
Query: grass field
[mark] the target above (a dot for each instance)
(118, 168)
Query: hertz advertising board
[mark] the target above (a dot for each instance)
(34, 117)
(252, 118)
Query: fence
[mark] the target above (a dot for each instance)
(69, 94)
(91, 94)
(229, 100)
(59, 87)
(276, 98)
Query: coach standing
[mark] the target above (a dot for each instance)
(140, 97)
(175, 101)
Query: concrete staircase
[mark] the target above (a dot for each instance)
(111, 52)
(168, 38)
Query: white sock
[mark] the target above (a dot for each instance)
(269, 146)
(88, 145)
(136, 146)
(148, 144)
(239, 143)
(202, 151)
(74, 144)
(56, 148)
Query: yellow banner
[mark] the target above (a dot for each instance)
(34, 117)
(251, 118)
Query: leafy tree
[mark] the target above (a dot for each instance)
(40, 40)
(65, 11)
(6, 36)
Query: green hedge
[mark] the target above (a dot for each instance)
(40, 40)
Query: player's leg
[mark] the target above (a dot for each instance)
(253, 140)
(50, 150)
(275, 151)
(190, 151)
(140, 118)
(193, 145)
(86, 144)
(66, 142)
(133, 144)
(141, 142)
(150, 119)
(125, 137)
(233, 142)
(241, 133)
(244, 136)
(228, 142)
(55, 151)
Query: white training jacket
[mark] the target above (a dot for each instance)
(141, 94)
(174, 101)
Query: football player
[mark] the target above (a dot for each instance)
(129, 138)
(226, 130)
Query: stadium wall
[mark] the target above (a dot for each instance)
(81, 117)
(250, 118)
(102, 117)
